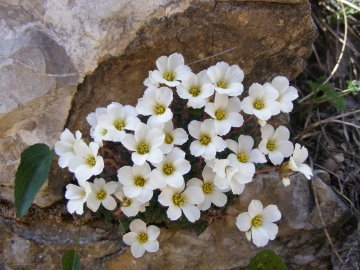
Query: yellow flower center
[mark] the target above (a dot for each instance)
(119, 124)
(256, 221)
(208, 188)
(178, 199)
(139, 181)
(242, 157)
(126, 202)
(168, 139)
(143, 238)
(104, 132)
(220, 115)
(168, 169)
(169, 76)
(258, 104)
(142, 149)
(91, 160)
(270, 145)
(101, 195)
(194, 91)
(205, 140)
(221, 84)
(159, 109)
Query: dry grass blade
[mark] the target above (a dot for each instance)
(313, 186)
(331, 119)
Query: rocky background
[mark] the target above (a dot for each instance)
(61, 59)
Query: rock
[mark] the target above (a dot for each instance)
(41, 245)
(301, 241)
(347, 247)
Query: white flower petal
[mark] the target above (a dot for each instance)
(137, 249)
(151, 246)
(271, 213)
(191, 212)
(255, 208)
(243, 222)
(260, 236)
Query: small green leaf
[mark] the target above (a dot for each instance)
(265, 260)
(31, 174)
(70, 261)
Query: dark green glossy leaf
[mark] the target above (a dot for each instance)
(70, 261)
(31, 174)
(266, 260)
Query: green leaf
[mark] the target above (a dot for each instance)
(31, 174)
(70, 261)
(265, 260)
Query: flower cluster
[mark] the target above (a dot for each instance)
(159, 149)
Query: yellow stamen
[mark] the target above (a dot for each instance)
(91, 160)
(101, 195)
(270, 145)
(205, 140)
(242, 157)
(168, 169)
(220, 115)
(159, 109)
(139, 181)
(221, 84)
(104, 132)
(142, 149)
(126, 202)
(168, 139)
(256, 221)
(143, 238)
(119, 124)
(169, 76)
(208, 188)
(258, 104)
(178, 199)
(194, 91)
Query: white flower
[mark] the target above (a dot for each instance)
(244, 156)
(65, 147)
(206, 143)
(87, 162)
(225, 113)
(211, 192)
(296, 161)
(286, 93)
(179, 199)
(142, 238)
(170, 69)
(258, 222)
(155, 102)
(136, 182)
(170, 170)
(261, 101)
(149, 81)
(92, 118)
(173, 137)
(101, 194)
(117, 119)
(77, 196)
(145, 143)
(227, 79)
(276, 143)
(195, 88)
(129, 206)
(229, 176)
